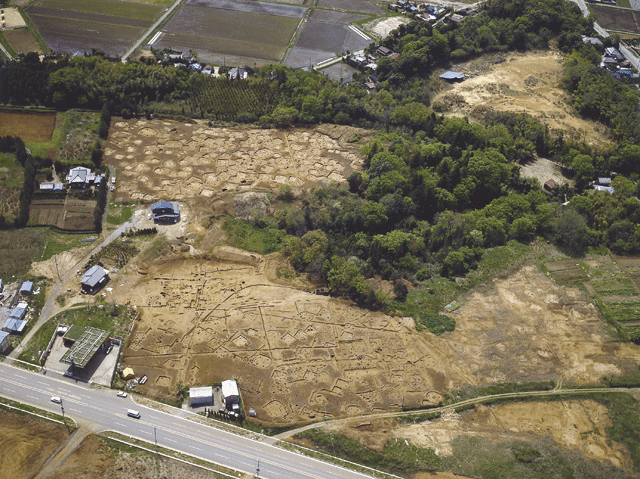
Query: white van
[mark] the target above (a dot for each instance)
(133, 413)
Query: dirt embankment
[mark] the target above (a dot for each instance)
(26, 444)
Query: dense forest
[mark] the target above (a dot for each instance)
(436, 191)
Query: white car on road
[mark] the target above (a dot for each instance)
(122, 394)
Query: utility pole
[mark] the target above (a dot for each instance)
(155, 439)
(56, 257)
(62, 407)
(258, 470)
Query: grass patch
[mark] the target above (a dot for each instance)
(504, 388)
(19, 248)
(57, 243)
(434, 322)
(397, 458)
(158, 248)
(119, 214)
(38, 343)
(501, 260)
(246, 235)
(42, 149)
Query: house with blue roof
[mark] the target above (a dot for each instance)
(5, 341)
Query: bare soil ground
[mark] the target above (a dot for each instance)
(575, 425)
(12, 18)
(206, 319)
(543, 170)
(26, 444)
(168, 160)
(383, 26)
(522, 84)
(295, 353)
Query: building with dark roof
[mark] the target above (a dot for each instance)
(94, 279)
(83, 343)
(165, 212)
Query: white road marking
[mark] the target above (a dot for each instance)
(355, 30)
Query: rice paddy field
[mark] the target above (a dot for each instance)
(219, 30)
(108, 25)
(31, 126)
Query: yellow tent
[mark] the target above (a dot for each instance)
(128, 373)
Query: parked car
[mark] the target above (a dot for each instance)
(56, 400)
(122, 394)
(109, 349)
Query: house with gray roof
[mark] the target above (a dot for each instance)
(94, 279)
(5, 341)
(80, 177)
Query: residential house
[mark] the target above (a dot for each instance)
(238, 74)
(163, 211)
(94, 279)
(80, 177)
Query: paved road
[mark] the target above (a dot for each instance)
(4, 50)
(148, 32)
(47, 309)
(106, 411)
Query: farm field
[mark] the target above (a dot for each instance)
(21, 40)
(325, 35)
(170, 160)
(30, 126)
(617, 19)
(351, 6)
(219, 32)
(11, 180)
(108, 25)
(527, 84)
(66, 213)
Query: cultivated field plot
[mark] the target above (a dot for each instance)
(170, 160)
(30, 126)
(522, 84)
(351, 6)
(21, 40)
(617, 19)
(223, 31)
(45, 212)
(69, 214)
(324, 36)
(75, 25)
(294, 353)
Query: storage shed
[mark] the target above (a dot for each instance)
(27, 287)
(230, 393)
(202, 396)
(5, 341)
